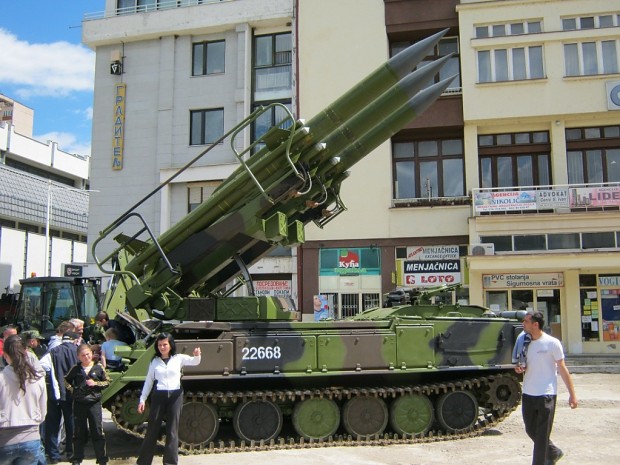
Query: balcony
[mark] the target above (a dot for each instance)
(558, 198)
(570, 218)
(146, 6)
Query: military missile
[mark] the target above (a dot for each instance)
(357, 98)
(239, 188)
(209, 252)
(378, 110)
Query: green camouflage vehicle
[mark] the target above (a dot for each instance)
(267, 379)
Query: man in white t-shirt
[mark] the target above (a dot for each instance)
(544, 359)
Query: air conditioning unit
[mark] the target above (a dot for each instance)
(482, 249)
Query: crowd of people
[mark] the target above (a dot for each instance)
(54, 391)
(51, 394)
(43, 388)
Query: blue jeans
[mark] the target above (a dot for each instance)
(23, 453)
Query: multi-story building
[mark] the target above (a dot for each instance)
(171, 78)
(541, 86)
(501, 165)
(398, 205)
(43, 201)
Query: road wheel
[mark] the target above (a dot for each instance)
(365, 417)
(457, 411)
(316, 418)
(257, 420)
(198, 425)
(412, 415)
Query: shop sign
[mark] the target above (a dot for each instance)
(432, 266)
(432, 272)
(72, 271)
(274, 287)
(555, 198)
(504, 201)
(431, 279)
(522, 280)
(118, 139)
(595, 196)
(434, 252)
(613, 95)
(609, 281)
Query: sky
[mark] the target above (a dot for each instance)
(45, 66)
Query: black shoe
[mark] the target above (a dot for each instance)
(555, 459)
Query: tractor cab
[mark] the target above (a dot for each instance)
(46, 302)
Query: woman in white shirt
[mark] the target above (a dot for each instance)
(166, 398)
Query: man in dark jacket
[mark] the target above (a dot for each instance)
(57, 362)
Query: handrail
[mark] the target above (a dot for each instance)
(157, 5)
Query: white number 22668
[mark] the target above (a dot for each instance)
(261, 353)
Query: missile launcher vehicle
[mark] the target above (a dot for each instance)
(266, 378)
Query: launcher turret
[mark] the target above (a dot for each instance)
(289, 177)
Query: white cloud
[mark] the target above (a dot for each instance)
(67, 142)
(54, 69)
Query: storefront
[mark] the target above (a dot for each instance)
(349, 279)
(578, 293)
(527, 291)
(600, 308)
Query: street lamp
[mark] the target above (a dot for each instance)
(50, 189)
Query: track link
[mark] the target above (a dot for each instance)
(495, 410)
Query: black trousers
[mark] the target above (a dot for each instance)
(87, 424)
(164, 404)
(538, 413)
(57, 411)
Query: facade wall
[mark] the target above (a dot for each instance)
(373, 219)
(554, 103)
(43, 201)
(161, 92)
(155, 49)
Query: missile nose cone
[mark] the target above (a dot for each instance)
(403, 62)
(426, 97)
(421, 76)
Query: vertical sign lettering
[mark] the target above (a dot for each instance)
(119, 126)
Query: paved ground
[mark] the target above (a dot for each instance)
(588, 435)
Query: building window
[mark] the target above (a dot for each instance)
(208, 58)
(198, 192)
(512, 64)
(272, 67)
(593, 154)
(428, 169)
(274, 116)
(590, 22)
(515, 159)
(206, 126)
(563, 241)
(508, 29)
(445, 46)
(591, 58)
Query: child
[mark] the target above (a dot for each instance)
(109, 359)
(86, 380)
